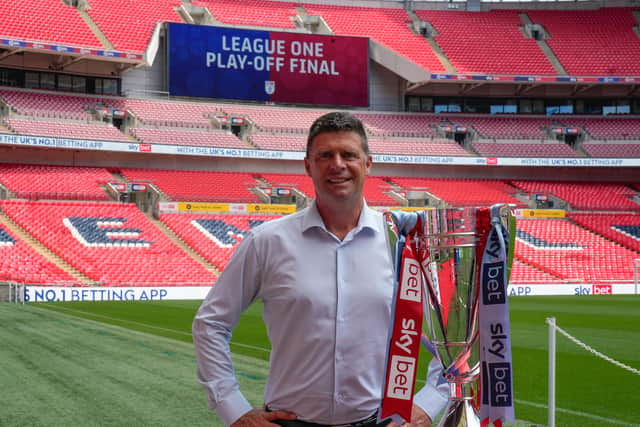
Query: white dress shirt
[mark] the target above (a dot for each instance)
(327, 311)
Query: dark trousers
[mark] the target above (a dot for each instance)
(369, 422)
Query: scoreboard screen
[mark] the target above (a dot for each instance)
(231, 63)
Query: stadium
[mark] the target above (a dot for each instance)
(140, 140)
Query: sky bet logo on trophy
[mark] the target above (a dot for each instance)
(452, 268)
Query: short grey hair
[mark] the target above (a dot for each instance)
(338, 122)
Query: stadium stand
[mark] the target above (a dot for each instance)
(384, 25)
(582, 40)
(19, 262)
(487, 42)
(55, 182)
(522, 274)
(192, 185)
(194, 137)
(266, 141)
(376, 191)
(523, 148)
(45, 21)
(274, 118)
(585, 196)
(617, 149)
(605, 128)
(506, 127)
(477, 192)
(55, 105)
(129, 24)
(417, 147)
(400, 125)
(621, 227)
(300, 181)
(114, 244)
(572, 253)
(270, 14)
(214, 236)
(66, 129)
(171, 113)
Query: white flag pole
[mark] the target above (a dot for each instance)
(551, 321)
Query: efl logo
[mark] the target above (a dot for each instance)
(401, 376)
(145, 148)
(602, 289)
(410, 288)
(500, 384)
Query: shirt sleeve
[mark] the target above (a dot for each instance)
(233, 292)
(433, 397)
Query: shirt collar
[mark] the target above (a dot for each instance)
(368, 219)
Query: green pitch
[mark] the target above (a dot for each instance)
(124, 363)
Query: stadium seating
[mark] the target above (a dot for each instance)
(113, 244)
(274, 118)
(195, 185)
(584, 195)
(55, 105)
(400, 125)
(300, 181)
(523, 274)
(270, 14)
(526, 148)
(19, 262)
(279, 142)
(129, 24)
(487, 42)
(598, 42)
(605, 128)
(192, 137)
(572, 253)
(55, 182)
(66, 129)
(506, 127)
(214, 236)
(623, 228)
(171, 113)
(619, 149)
(462, 192)
(417, 147)
(45, 21)
(384, 25)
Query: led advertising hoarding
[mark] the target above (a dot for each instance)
(231, 63)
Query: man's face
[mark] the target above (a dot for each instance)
(338, 165)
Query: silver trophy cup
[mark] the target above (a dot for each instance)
(448, 244)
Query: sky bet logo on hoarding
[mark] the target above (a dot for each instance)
(593, 290)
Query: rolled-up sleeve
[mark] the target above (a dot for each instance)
(433, 397)
(234, 291)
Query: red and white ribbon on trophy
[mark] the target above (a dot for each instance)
(404, 346)
(496, 390)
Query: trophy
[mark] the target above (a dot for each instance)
(464, 257)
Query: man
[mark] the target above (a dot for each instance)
(325, 277)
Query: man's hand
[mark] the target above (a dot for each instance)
(260, 417)
(419, 418)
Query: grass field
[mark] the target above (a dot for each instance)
(132, 364)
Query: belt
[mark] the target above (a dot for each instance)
(367, 422)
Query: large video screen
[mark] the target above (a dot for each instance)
(231, 63)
